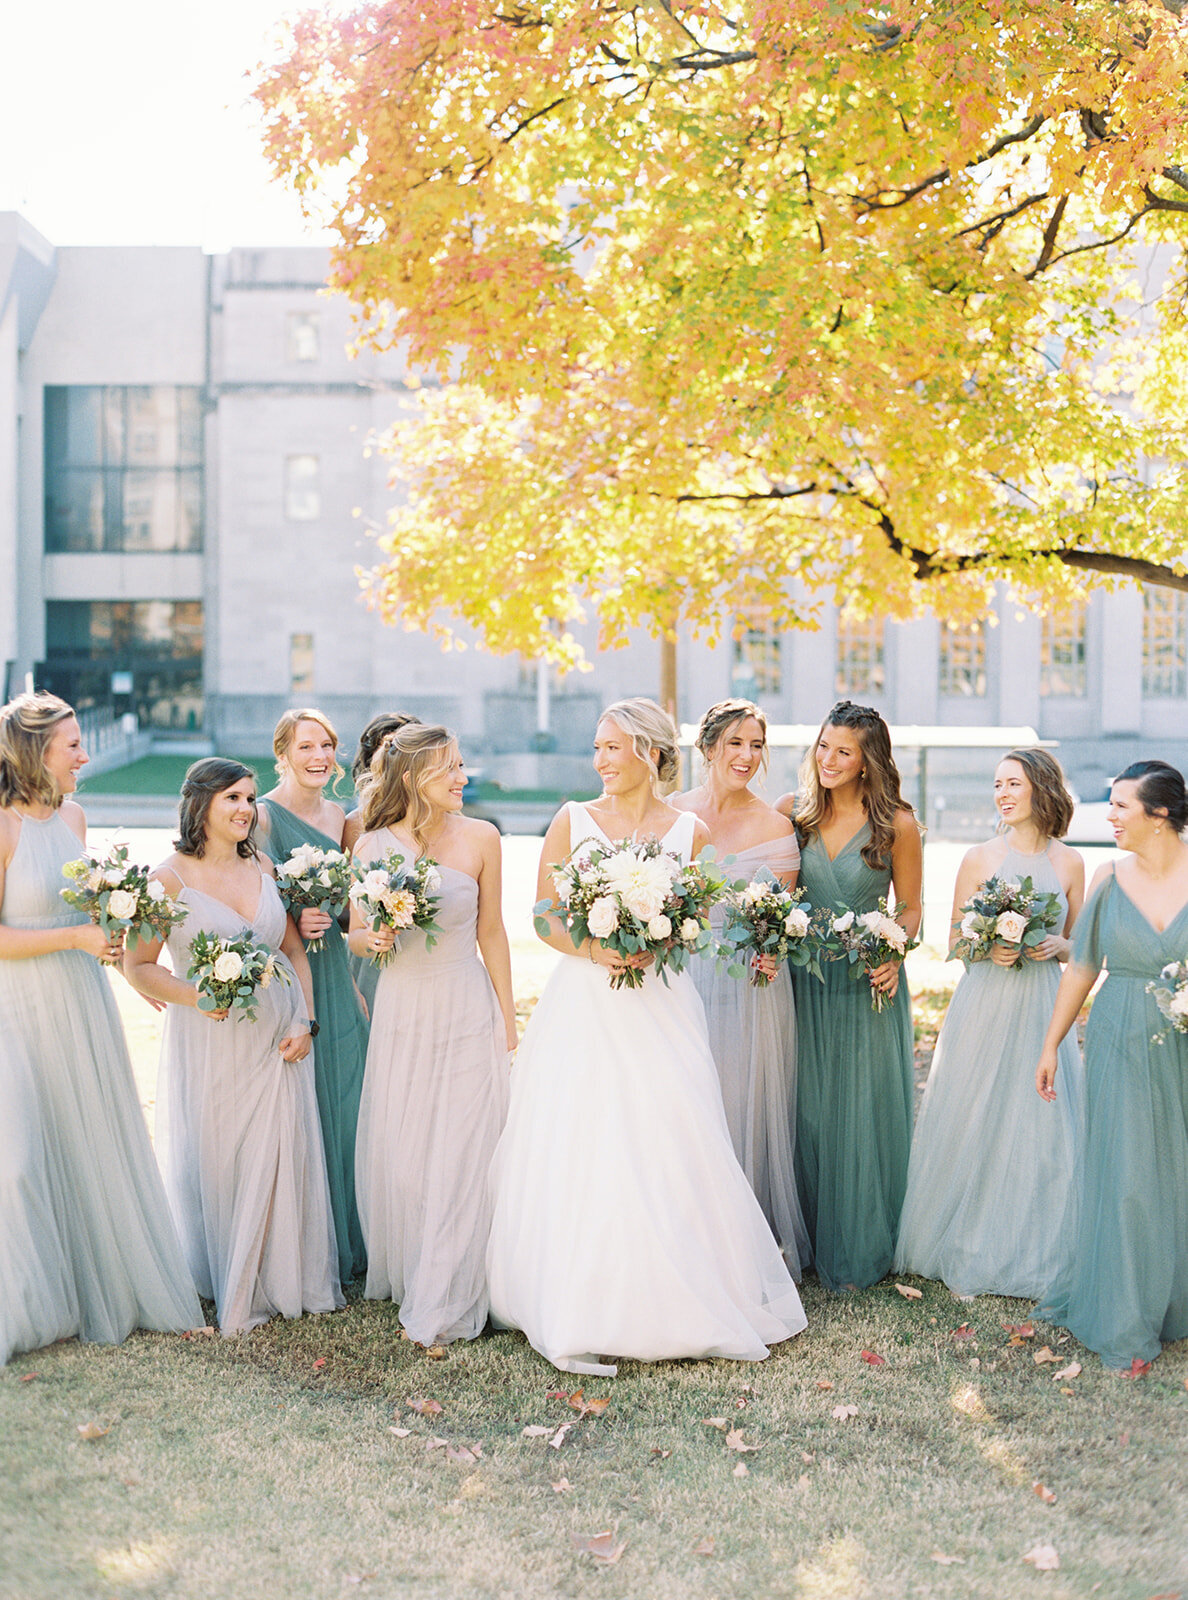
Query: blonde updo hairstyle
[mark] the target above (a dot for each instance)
(286, 732)
(653, 737)
(404, 763)
(27, 725)
(720, 720)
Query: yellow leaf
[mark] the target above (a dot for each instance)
(908, 1292)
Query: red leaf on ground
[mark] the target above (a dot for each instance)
(600, 1547)
(29, 1376)
(92, 1431)
(319, 1363)
(1019, 1331)
(965, 1331)
(1044, 1493)
(1138, 1369)
(426, 1408)
(873, 1359)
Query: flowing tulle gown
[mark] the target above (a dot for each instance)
(1122, 1283)
(341, 1052)
(434, 1100)
(240, 1143)
(853, 1090)
(991, 1163)
(86, 1244)
(752, 1033)
(624, 1225)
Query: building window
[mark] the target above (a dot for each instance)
(123, 468)
(303, 493)
(138, 655)
(1165, 644)
(755, 664)
(301, 663)
(1062, 653)
(963, 660)
(302, 336)
(860, 663)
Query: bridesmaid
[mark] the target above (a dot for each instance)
(987, 1159)
(752, 1030)
(297, 812)
(859, 841)
(1122, 1285)
(86, 1244)
(241, 1148)
(435, 1092)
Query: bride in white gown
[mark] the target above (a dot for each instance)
(623, 1225)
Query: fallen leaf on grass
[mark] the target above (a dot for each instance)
(92, 1430)
(824, 1383)
(1073, 1370)
(436, 1443)
(662, 1454)
(873, 1358)
(359, 1577)
(460, 1452)
(1043, 1558)
(435, 1352)
(716, 1422)
(535, 1431)
(562, 1486)
(741, 1403)
(844, 1413)
(741, 1471)
(908, 1292)
(1043, 1354)
(943, 1560)
(1044, 1493)
(600, 1547)
(587, 1408)
(426, 1408)
(704, 1547)
(807, 1457)
(401, 1433)
(558, 1438)
(965, 1331)
(29, 1376)
(319, 1363)
(803, 1481)
(1019, 1331)
(1138, 1369)
(734, 1441)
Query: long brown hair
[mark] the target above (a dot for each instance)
(882, 799)
(27, 725)
(405, 760)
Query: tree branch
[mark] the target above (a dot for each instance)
(1049, 241)
(1158, 202)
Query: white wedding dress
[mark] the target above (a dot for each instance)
(623, 1225)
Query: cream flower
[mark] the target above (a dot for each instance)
(1178, 1004)
(96, 880)
(603, 917)
(892, 932)
(753, 893)
(401, 906)
(432, 880)
(121, 904)
(969, 925)
(843, 923)
(1010, 927)
(229, 966)
(659, 927)
(872, 921)
(156, 890)
(114, 875)
(690, 929)
(796, 923)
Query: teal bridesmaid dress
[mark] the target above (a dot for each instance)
(1122, 1287)
(341, 1051)
(854, 1088)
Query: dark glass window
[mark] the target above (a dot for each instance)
(123, 468)
(138, 655)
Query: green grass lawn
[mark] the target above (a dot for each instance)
(162, 775)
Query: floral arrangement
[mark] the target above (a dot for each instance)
(228, 972)
(867, 940)
(635, 899)
(315, 879)
(1010, 911)
(764, 918)
(1170, 990)
(394, 893)
(121, 898)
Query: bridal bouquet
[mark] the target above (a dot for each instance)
(768, 920)
(121, 898)
(319, 880)
(1010, 911)
(867, 939)
(394, 893)
(228, 972)
(1170, 990)
(635, 899)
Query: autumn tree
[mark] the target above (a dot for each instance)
(889, 298)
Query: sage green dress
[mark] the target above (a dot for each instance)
(1122, 1287)
(340, 1054)
(854, 1088)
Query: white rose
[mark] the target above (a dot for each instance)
(892, 932)
(114, 875)
(841, 924)
(796, 923)
(872, 921)
(659, 927)
(690, 929)
(324, 878)
(375, 883)
(644, 903)
(432, 880)
(753, 892)
(603, 917)
(1010, 927)
(156, 890)
(561, 888)
(969, 925)
(121, 904)
(1178, 1004)
(95, 879)
(229, 966)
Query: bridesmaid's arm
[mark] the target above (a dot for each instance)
(362, 941)
(158, 985)
(492, 935)
(21, 944)
(1075, 984)
(907, 882)
(1058, 946)
(296, 1046)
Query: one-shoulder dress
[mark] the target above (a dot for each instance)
(991, 1163)
(853, 1087)
(1122, 1283)
(624, 1225)
(434, 1100)
(240, 1142)
(341, 1052)
(752, 1033)
(86, 1242)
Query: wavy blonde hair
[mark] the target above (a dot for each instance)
(650, 728)
(881, 797)
(27, 725)
(721, 719)
(405, 761)
(286, 730)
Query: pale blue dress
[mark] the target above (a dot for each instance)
(992, 1163)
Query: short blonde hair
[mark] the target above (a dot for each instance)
(405, 761)
(286, 729)
(650, 728)
(27, 725)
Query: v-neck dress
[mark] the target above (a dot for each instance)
(1122, 1286)
(239, 1139)
(853, 1087)
(341, 1052)
(624, 1225)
